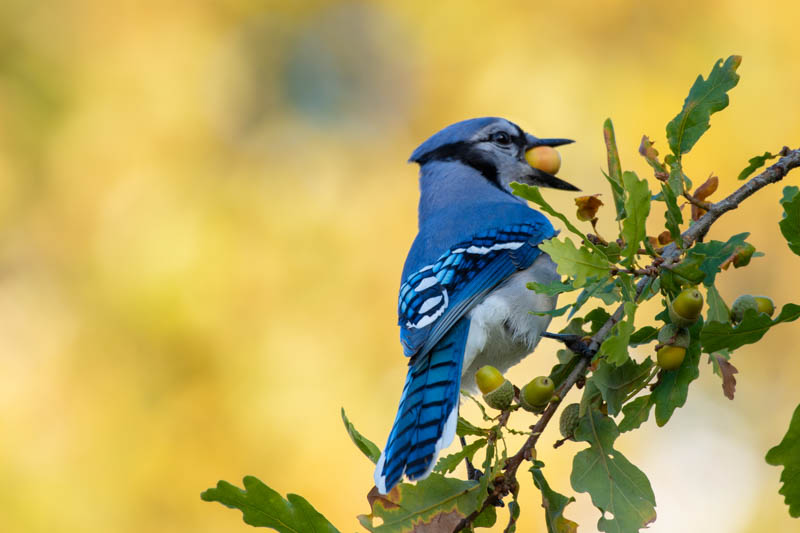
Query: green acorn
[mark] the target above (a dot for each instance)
(568, 422)
(488, 378)
(741, 305)
(685, 309)
(501, 397)
(765, 305)
(673, 335)
(670, 357)
(537, 394)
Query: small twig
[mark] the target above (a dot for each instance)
(649, 270)
(596, 239)
(560, 442)
(702, 204)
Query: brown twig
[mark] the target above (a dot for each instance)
(649, 270)
(702, 204)
(790, 159)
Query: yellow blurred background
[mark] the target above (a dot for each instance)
(205, 207)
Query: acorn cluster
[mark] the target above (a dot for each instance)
(674, 338)
(684, 310)
(498, 392)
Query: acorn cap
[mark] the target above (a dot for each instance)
(673, 335)
(742, 304)
(501, 397)
(570, 417)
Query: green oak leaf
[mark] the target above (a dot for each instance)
(602, 289)
(554, 505)
(717, 309)
(724, 336)
(513, 511)
(533, 194)
(787, 453)
(687, 272)
(790, 224)
(366, 446)
(550, 289)
(611, 250)
(716, 253)
(645, 335)
(487, 518)
(635, 413)
(755, 163)
(489, 473)
(672, 215)
(561, 371)
(449, 463)
(263, 507)
(672, 388)
(436, 503)
(553, 312)
(578, 263)
(595, 319)
(614, 175)
(705, 98)
(637, 207)
(616, 383)
(678, 182)
(615, 347)
(615, 485)
(465, 428)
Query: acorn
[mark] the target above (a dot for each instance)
(501, 397)
(670, 357)
(765, 305)
(568, 422)
(741, 305)
(685, 309)
(488, 378)
(545, 158)
(537, 394)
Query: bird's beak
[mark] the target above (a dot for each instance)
(533, 142)
(540, 178)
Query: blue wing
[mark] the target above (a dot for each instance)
(436, 296)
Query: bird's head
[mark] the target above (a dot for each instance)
(493, 146)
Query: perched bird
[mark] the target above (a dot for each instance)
(463, 299)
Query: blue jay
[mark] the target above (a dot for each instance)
(463, 299)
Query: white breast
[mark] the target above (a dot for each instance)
(502, 330)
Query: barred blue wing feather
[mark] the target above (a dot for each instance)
(436, 296)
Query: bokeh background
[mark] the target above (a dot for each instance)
(205, 207)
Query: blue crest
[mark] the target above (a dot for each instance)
(458, 132)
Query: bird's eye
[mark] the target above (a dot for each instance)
(501, 138)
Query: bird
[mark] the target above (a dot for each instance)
(463, 301)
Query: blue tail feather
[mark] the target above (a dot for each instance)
(426, 418)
